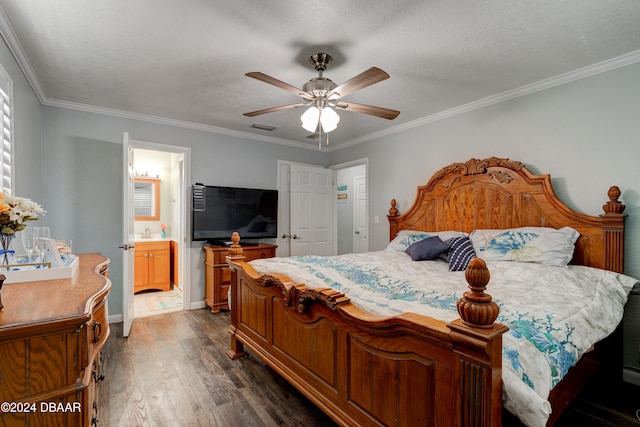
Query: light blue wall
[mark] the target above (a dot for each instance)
(83, 174)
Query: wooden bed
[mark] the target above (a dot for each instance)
(362, 369)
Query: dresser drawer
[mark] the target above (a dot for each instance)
(259, 253)
(220, 257)
(97, 329)
(152, 246)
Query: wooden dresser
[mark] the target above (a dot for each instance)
(51, 335)
(217, 277)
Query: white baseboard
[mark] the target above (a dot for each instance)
(631, 376)
(117, 318)
(197, 305)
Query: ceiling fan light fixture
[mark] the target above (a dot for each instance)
(329, 119)
(326, 116)
(310, 119)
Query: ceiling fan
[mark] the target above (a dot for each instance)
(321, 94)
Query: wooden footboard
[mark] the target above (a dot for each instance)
(363, 369)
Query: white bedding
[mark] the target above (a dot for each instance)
(554, 314)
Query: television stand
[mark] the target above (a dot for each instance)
(223, 243)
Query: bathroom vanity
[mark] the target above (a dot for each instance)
(152, 265)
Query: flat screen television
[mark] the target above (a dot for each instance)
(219, 211)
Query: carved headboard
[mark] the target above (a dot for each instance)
(502, 193)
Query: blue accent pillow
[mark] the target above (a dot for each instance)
(427, 249)
(543, 245)
(460, 253)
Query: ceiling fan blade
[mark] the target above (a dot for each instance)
(384, 113)
(367, 78)
(273, 109)
(277, 83)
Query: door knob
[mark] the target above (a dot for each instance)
(285, 236)
(357, 232)
(294, 237)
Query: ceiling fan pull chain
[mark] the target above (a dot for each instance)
(319, 134)
(326, 134)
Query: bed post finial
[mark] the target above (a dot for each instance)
(393, 211)
(614, 206)
(476, 308)
(235, 251)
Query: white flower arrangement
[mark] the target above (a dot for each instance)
(15, 212)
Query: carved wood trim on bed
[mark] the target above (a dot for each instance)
(363, 369)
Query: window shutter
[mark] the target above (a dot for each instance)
(142, 200)
(7, 136)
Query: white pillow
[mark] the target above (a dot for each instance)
(406, 238)
(542, 245)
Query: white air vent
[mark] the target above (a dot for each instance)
(263, 127)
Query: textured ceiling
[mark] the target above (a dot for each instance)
(183, 62)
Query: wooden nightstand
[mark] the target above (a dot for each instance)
(217, 277)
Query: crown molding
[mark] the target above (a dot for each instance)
(581, 73)
(9, 36)
(171, 122)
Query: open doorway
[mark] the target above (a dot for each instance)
(156, 203)
(179, 222)
(351, 207)
(159, 206)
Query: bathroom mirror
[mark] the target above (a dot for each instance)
(146, 199)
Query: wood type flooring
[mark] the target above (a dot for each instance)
(173, 371)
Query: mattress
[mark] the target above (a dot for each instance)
(554, 314)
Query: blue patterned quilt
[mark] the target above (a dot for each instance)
(549, 310)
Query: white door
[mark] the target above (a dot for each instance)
(284, 211)
(311, 210)
(360, 236)
(127, 237)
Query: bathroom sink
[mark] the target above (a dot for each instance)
(153, 238)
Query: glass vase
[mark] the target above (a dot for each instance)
(7, 252)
